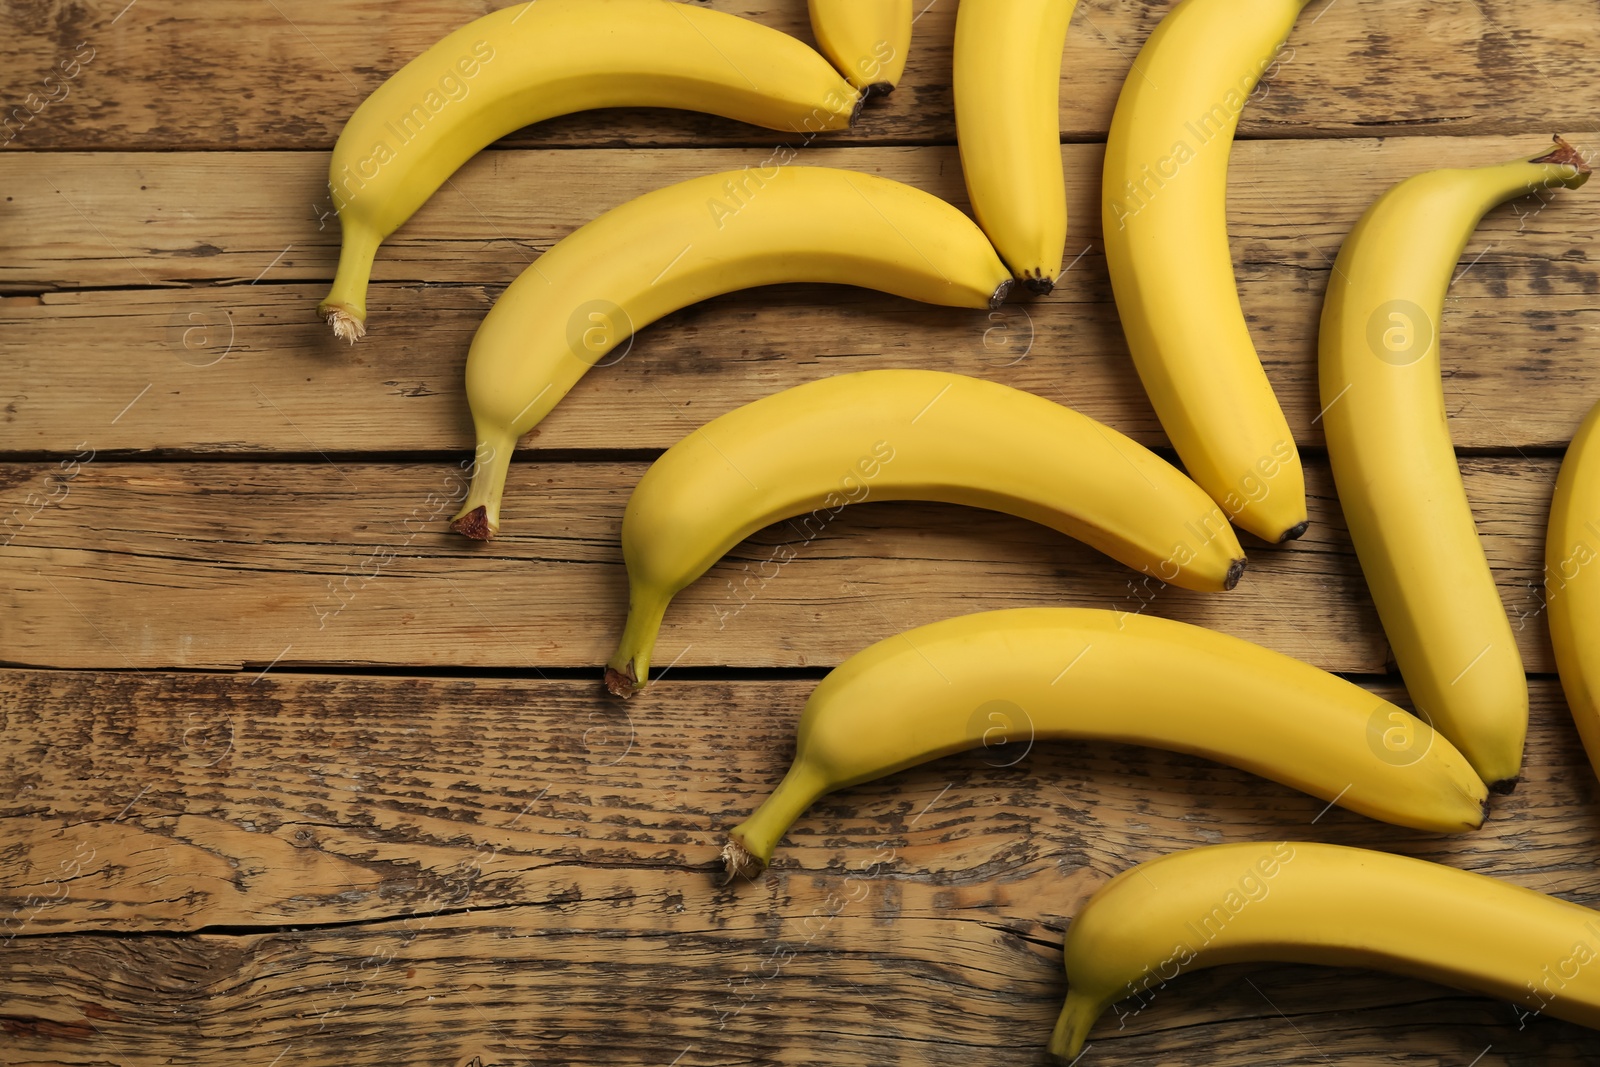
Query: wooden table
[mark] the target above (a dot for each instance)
(293, 775)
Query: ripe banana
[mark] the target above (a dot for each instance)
(1393, 464)
(867, 40)
(1165, 225)
(1299, 902)
(688, 242)
(1572, 587)
(534, 61)
(1007, 78)
(1001, 677)
(906, 435)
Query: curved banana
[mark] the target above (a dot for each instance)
(1299, 902)
(1165, 224)
(866, 40)
(1572, 581)
(688, 242)
(906, 435)
(1393, 463)
(1058, 673)
(534, 61)
(1007, 79)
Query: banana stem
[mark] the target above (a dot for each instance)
(345, 306)
(751, 843)
(1077, 1018)
(1561, 166)
(1564, 155)
(479, 516)
(629, 667)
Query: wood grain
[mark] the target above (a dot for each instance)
(122, 219)
(214, 847)
(76, 360)
(410, 870)
(150, 227)
(223, 565)
(287, 74)
(226, 565)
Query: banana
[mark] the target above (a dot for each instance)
(906, 435)
(688, 242)
(1393, 464)
(1164, 207)
(534, 61)
(1300, 902)
(1058, 673)
(1007, 79)
(1572, 587)
(867, 40)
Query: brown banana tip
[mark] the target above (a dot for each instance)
(1000, 293)
(860, 106)
(620, 683)
(1235, 572)
(877, 89)
(1504, 786)
(738, 861)
(1564, 155)
(474, 524)
(1295, 532)
(1037, 283)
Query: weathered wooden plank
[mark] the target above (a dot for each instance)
(115, 219)
(1520, 374)
(513, 987)
(180, 802)
(218, 565)
(539, 856)
(463, 989)
(287, 74)
(1515, 327)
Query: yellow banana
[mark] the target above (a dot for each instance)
(906, 435)
(1010, 677)
(1007, 82)
(1165, 225)
(867, 40)
(1572, 581)
(534, 61)
(1300, 902)
(688, 242)
(1393, 464)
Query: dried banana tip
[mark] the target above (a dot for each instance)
(620, 683)
(738, 861)
(346, 327)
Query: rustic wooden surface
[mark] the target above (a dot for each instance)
(289, 774)
(229, 246)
